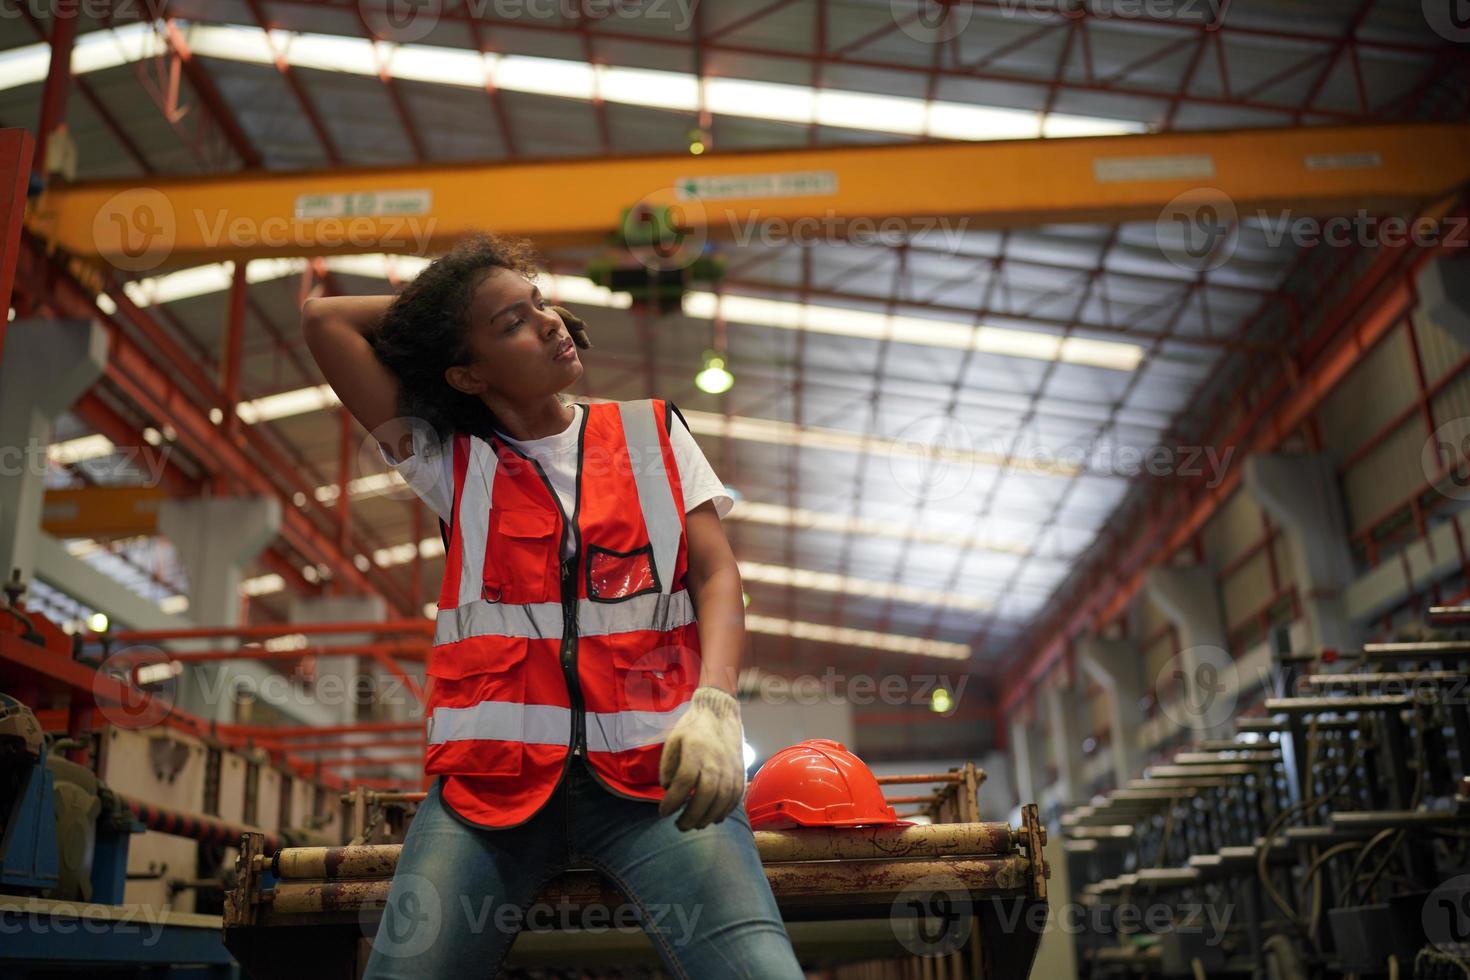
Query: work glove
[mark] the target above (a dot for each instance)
(575, 326)
(704, 753)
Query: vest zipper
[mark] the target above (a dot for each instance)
(569, 652)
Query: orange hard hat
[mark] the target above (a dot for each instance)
(817, 783)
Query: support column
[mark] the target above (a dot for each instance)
(337, 676)
(1300, 493)
(1021, 752)
(1117, 667)
(1188, 597)
(1066, 741)
(48, 365)
(1444, 298)
(216, 537)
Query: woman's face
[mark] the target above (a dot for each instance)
(519, 346)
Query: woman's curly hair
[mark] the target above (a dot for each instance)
(425, 331)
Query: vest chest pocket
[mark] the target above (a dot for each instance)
(613, 576)
(477, 725)
(522, 559)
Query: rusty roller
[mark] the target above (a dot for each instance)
(775, 847)
(793, 884)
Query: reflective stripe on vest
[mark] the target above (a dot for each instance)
(619, 731)
(655, 495)
(510, 721)
(543, 620)
(474, 516)
(545, 724)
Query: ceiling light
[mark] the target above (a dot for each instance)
(263, 585)
(921, 331)
(783, 516)
(565, 78)
(714, 378)
(809, 580)
(849, 636)
(73, 451)
(776, 432)
(298, 401)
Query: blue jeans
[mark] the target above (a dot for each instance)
(460, 894)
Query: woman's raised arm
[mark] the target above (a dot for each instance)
(338, 331)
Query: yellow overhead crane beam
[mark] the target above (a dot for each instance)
(143, 224)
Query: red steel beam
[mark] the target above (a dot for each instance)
(293, 82)
(278, 732)
(415, 759)
(1384, 294)
(209, 94)
(232, 355)
(337, 746)
(118, 133)
(415, 651)
(15, 172)
(58, 80)
(411, 627)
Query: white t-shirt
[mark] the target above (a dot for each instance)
(430, 470)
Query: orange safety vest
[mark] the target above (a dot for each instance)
(538, 660)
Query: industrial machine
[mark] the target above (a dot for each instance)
(66, 835)
(1326, 837)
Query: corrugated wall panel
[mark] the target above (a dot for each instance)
(1369, 397)
(1385, 477)
(1233, 529)
(1246, 592)
(1439, 351)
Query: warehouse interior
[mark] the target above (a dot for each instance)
(1088, 382)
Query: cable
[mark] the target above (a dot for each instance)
(1285, 815)
(1434, 955)
(1346, 892)
(1313, 870)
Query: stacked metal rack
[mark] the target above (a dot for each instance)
(1325, 838)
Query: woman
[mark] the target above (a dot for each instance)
(587, 639)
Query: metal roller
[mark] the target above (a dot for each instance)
(835, 883)
(815, 844)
